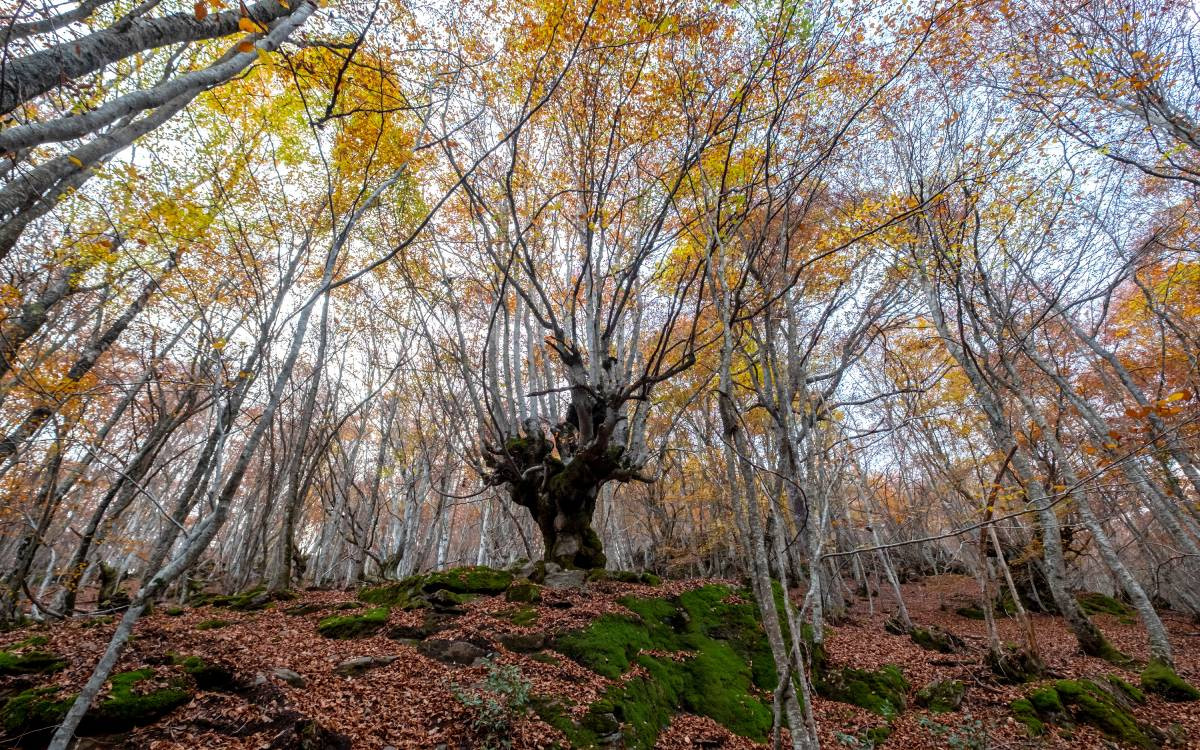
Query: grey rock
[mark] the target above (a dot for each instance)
(564, 579)
(452, 652)
(295, 679)
(361, 664)
(523, 643)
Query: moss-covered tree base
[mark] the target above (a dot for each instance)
(1160, 679)
(1014, 665)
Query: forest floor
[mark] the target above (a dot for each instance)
(408, 700)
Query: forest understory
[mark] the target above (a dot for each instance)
(263, 675)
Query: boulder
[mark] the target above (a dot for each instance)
(942, 696)
(463, 653)
(558, 577)
(286, 675)
(361, 664)
(523, 591)
(524, 643)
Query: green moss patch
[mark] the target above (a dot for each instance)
(702, 652)
(524, 591)
(208, 676)
(523, 616)
(250, 600)
(213, 624)
(882, 691)
(1024, 712)
(34, 709)
(1068, 702)
(126, 706)
(1131, 692)
(24, 657)
(1160, 679)
(442, 588)
(354, 626)
(1095, 603)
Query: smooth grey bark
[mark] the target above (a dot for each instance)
(27, 77)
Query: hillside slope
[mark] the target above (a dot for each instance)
(425, 665)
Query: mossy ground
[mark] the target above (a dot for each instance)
(354, 626)
(724, 661)
(213, 624)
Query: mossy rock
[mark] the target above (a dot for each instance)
(422, 591)
(304, 609)
(174, 611)
(213, 624)
(971, 612)
(725, 665)
(17, 660)
(354, 626)
(1047, 703)
(524, 591)
(624, 576)
(934, 638)
(125, 707)
(1095, 603)
(208, 676)
(1085, 702)
(38, 710)
(1024, 712)
(523, 616)
(28, 713)
(251, 600)
(882, 691)
(1160, 679)
(942, 696)
(468, 580)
